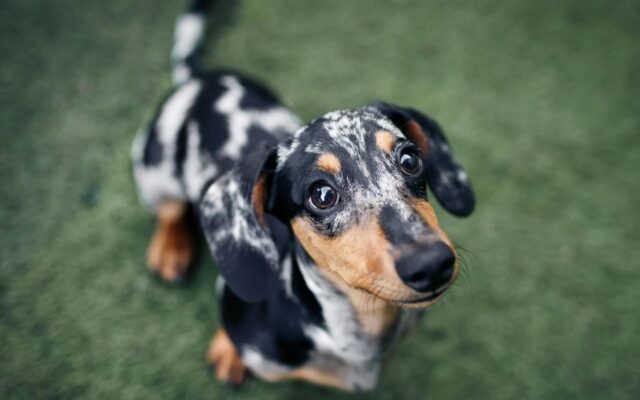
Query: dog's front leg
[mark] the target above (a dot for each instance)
(223, 356)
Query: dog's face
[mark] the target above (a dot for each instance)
(352, 185)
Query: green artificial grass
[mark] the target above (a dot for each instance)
(540, 101)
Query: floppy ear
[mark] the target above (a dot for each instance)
(446, 178)
(246, 242)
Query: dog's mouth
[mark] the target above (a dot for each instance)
(429, 297)
(425, 300)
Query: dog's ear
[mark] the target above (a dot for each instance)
(245, 240)
(446, 178)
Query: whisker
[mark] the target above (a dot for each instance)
(465, 252)
(466, 259)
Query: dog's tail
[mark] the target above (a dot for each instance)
(188, 34)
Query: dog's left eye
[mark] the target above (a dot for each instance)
(409, 161)
(322, 196)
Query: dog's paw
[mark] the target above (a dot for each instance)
(171, 250)
(222, 356)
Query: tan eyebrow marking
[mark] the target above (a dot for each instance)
(385, 141)
(328, 162)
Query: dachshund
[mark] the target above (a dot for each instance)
(327, 246)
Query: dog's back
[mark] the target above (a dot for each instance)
(205, 125)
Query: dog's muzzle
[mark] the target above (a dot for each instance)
(428, 268)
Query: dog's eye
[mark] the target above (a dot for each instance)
(410, 162)
(323, 196)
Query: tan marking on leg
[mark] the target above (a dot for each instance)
(171, 247)
(385, 141)
(223, 355)
(329, 163)
(172, 210)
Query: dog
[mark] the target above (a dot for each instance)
(327, 245)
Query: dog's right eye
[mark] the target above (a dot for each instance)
(322, 196)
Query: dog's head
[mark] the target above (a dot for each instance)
(351, 187)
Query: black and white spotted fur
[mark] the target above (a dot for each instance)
(213, 137)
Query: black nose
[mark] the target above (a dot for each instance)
(428, 268)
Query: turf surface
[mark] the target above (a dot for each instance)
(540, 100)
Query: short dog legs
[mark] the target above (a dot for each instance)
(223, 356)
(171, 247)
